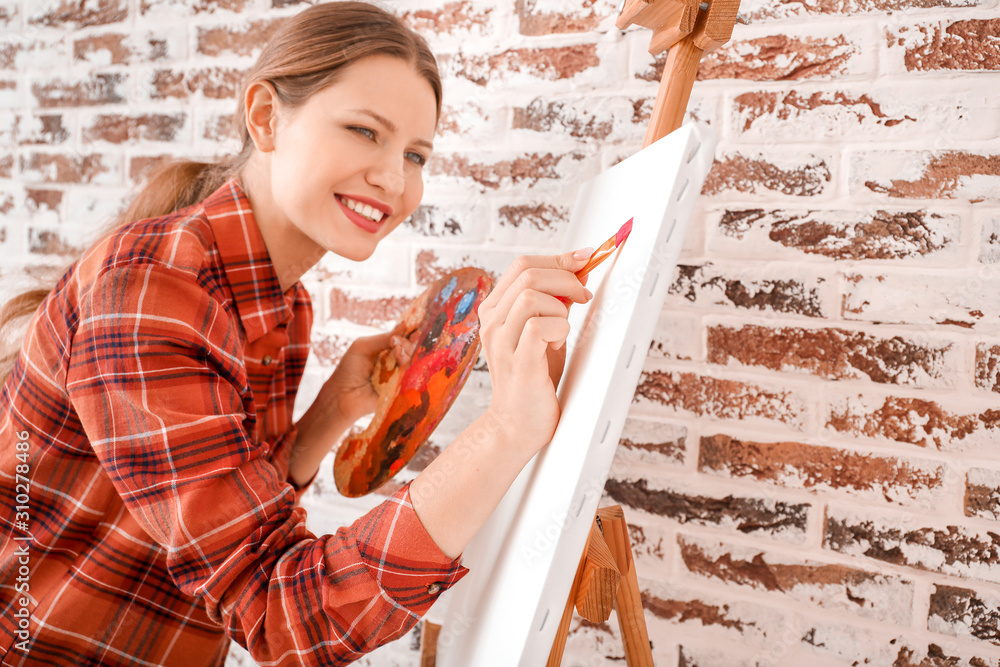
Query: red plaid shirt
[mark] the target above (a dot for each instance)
(145, 505)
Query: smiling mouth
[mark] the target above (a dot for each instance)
(364, 210)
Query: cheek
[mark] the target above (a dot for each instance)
(414, 192)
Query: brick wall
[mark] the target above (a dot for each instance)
(810, 466)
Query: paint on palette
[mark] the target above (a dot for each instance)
(413, 399)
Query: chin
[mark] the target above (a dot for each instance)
(354, 254)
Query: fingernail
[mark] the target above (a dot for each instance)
(590, 295)
(583, 253)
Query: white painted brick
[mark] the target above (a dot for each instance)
(969, 301)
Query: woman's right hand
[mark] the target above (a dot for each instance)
(523, 328)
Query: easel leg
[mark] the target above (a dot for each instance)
(559, 645)
(628, 604)
(428, 644)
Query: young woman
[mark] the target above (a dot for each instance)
(150, 467)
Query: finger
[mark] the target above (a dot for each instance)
(402, 349)
(555, 282)
(567, 261)
(538, 335)
(529, 304)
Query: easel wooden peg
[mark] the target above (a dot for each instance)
(689, 29)
(605, 580)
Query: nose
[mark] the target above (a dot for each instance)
(387, 175)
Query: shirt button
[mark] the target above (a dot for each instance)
(266, 360)
(433, 589)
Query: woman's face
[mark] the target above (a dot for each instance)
(347, 165)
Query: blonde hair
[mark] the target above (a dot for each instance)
(305, 55)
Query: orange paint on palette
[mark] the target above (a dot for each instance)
(414, 398)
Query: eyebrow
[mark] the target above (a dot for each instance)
(389, 125)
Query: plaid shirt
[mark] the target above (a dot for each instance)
(145, 506)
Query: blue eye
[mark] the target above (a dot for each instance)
(416, 158)
(366, 131)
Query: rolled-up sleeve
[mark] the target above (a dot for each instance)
(157, 379)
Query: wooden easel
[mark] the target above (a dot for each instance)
(605, 577)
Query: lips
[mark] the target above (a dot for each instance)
(367, 224)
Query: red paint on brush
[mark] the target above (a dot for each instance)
(623, 233)
(606, 249)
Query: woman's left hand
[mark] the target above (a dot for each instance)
(349, 391)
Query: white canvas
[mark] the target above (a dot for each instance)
(522, 562)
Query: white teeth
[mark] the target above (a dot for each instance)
(369, 212)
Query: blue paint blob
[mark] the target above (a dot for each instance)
(445, 294)
(464, 306)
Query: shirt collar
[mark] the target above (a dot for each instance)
(246, 261)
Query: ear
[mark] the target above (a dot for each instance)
(261, 103)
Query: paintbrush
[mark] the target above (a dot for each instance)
(606, 249)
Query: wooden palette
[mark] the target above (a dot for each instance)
(444, 324)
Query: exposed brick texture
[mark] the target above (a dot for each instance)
(809, 467)
(878, 235)
(834, 354)
(798, 465)
(915, 542)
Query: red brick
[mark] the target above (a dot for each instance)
(835, 354)
(982, 493)
(988, 367)
(651, 442)
(121, 48)
(329, 347)
(928, 175)
(373, 311)
(914, 541)
(433, 221)
(194, 6)
(218, 128)
(710, 285)
(964, 612)
(222, 83)
(850, 235)
(121, 128)
(723, 399)
(36, 198)
(98, 89)
(691, 611)
(914, 421)
(813, 111)
(548, 64)
(543, 115)
(42, 129)
(51, 242)
(775, 58)
(460, 16)
(242, 40)
(74, 168)
(138, 164)
(779, 9)
(70, 14)
(528, 168)
(744, 514)
(532, 21)
(804, 176)
(827, 585)
(6, 166)
(432, 264)
(543, 217)
(969, 45)
(799, 465)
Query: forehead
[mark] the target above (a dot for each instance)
(390, 87)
